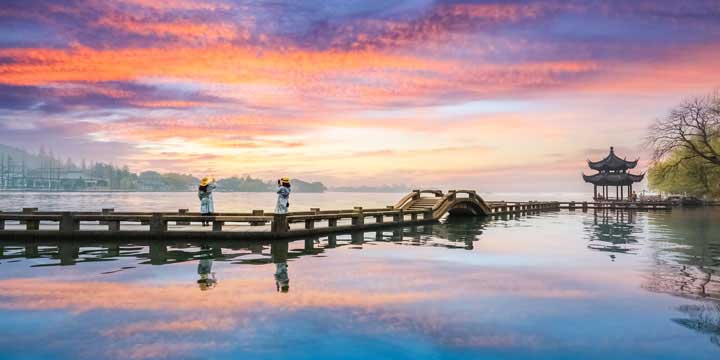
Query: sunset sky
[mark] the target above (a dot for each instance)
(495, 95)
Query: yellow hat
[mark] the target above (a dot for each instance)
(285, 179)
(205, 181)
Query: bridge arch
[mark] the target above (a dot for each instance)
(455, 202)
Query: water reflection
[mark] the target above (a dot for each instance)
(687, 265)
(703, 318)
(612, 231)
(466, 288)
(279, 251)
(207, 279)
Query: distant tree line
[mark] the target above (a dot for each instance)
(686, 149)
(45, 171)
(249, 184)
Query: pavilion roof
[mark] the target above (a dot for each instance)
(612, 162)
(613, 179)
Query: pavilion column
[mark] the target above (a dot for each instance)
(594, 192)
(622, 189)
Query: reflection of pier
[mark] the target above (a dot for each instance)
(616, 205)
(159, 252)
(280, 253)
(417, 208)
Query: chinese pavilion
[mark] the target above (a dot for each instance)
(612, 171)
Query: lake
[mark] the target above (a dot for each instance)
(556, 285)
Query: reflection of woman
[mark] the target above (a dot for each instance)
(282, 280)
(279, 252)
(283, 191)
(207, 279)
(205, 190)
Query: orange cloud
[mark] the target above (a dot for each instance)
(179, 4)
(40, 294)
(184, 30)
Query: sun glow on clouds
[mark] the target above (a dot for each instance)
(430, 92)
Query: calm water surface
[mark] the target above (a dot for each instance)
(563, 285)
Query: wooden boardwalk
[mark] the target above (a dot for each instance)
(615, 205)
(416, 208)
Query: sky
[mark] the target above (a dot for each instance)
(486, 95)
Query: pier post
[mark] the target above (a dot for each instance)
(27, 211)
(2, 222)
(217, 225)
(106, 211)
(31, 251)
(114, 225)
(359, 218)
(68, 223)
(309, 224)
(157, 223)
(31, 224)
(584, 206)
(158, 252)
(357, 237)
(309, 244)
(183, 212)
(571, 206)
(428, 214)
(68, 252)
(279, 223)
(332, 241)
(113, 250)
(399, 217)
(257, 213)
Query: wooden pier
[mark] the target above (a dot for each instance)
(615, 205)
(416, 208)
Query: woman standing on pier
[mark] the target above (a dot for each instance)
(283, 201)
(205, 190)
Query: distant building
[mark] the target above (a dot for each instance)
(612, 171)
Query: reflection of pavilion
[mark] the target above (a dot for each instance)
(612, 231)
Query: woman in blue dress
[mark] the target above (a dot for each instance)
(205, 190)
(283, 200)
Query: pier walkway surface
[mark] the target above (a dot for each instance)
(416, 208)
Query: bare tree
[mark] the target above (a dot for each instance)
(692, 128)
